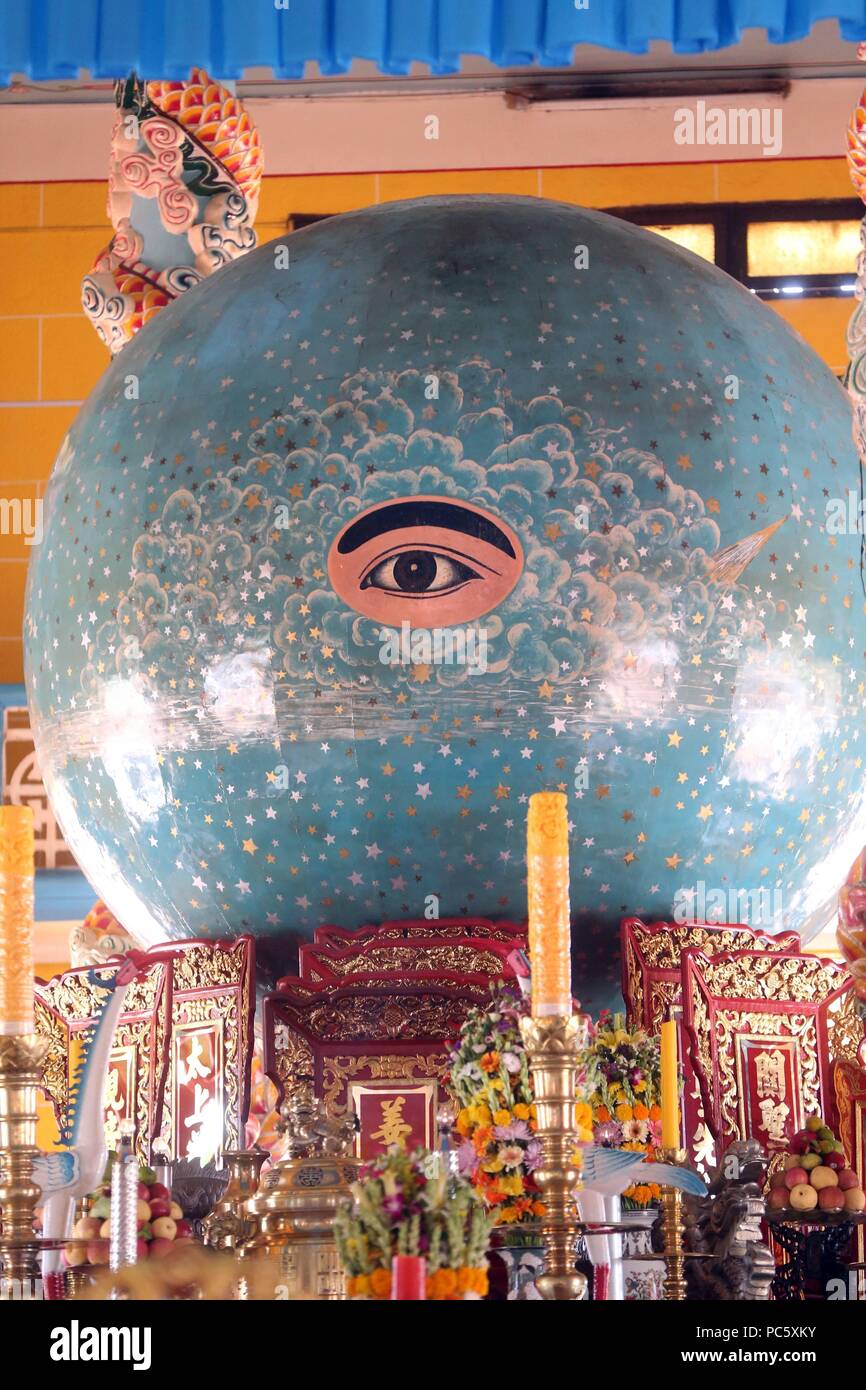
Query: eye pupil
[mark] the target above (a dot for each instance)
(415, 571)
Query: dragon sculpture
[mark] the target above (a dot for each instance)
(725, 1224)
(183, 189)
(69, 1173)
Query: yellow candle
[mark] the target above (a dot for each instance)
(549, 914)
(16, 919)
(670, 1087)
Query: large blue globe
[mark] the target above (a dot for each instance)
(436, 504)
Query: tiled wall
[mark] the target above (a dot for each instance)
(50, 234)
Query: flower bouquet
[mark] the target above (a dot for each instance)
(623, 1084)
(491, 1084)
(402, 1206)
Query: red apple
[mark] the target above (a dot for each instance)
(848, 1179)
(778, 1179)
(164, 1228)
(160, 1206)
(97, 1252)
(801, 1141)
(143, 1191)
(831, 1199)
(184, 1230)
(141, 1249)
(159, 1248)
(835, 1160)
(777, 1198)
(158, 1189)
(795, 1177)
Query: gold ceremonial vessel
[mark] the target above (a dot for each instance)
(293, 1211)
(229, 1225)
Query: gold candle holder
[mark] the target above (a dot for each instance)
(21, 1058)
(553, 1046)
(229, 1225)
(673, 1230)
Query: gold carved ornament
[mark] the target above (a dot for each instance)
(337, 1072)
(456, 959)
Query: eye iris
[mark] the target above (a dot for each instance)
(415, 571)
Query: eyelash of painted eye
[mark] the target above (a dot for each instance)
(415, 566)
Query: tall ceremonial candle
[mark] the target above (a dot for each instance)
(549, 914)
(670, 1087)
(16, 919)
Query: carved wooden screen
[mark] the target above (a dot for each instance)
(207, 1095)
(763, 1027)
(371, 1014)
(651, 958)
(65, 1008)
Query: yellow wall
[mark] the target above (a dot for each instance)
(50, 234)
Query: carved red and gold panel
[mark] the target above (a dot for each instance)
(66, 1007)
(762, 1029)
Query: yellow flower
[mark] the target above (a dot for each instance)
(623, 1113)
(361, 1286)
(494, 1166)
(502, 1117)
(512, 1185)
(521, 1111)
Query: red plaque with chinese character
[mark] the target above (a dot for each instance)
(393, 1114)
(207, 1096)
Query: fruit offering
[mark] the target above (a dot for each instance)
(161, 1224)
(814, 1175)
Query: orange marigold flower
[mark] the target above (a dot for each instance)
(655, 1112)
(641, 1112)
(489, 1062)
(539, 1209)
(361, 1286)
(444, 1283)
(602, 1114)
(502, 1117)
(380, 1283)
(623, 1113)
(521, 1111)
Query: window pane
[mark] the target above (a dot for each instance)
(699, 237)
(803, 248)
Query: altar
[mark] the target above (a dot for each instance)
(432, 828)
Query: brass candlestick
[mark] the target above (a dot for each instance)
(553, 1046)
(21, 1057)
(229, 1224)
(673, 1230)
